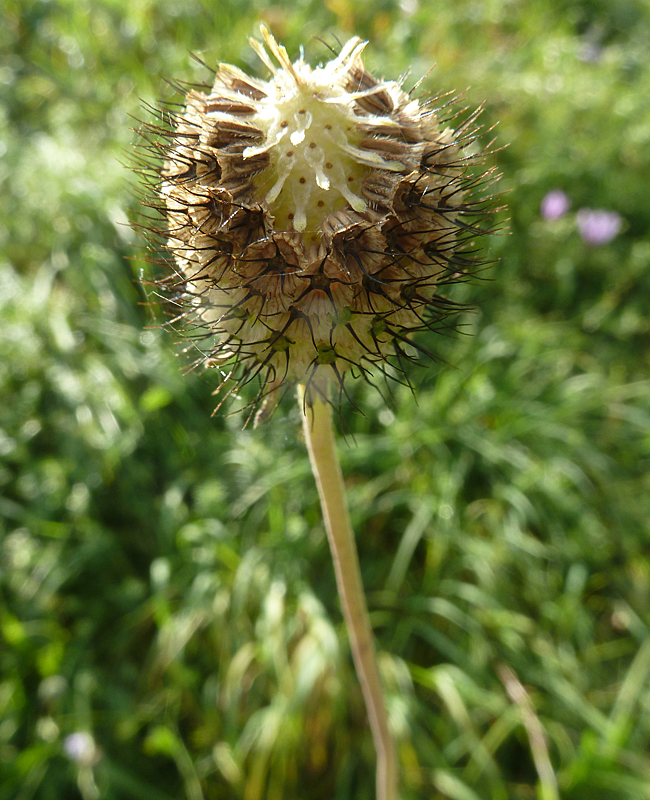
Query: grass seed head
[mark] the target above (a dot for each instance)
(311, 221)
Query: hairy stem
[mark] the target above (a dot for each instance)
(319, 435)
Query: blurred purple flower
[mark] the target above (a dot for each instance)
(80, 747)
(554, 205)
(597, 226)
(590, 52)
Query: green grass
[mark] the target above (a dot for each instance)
(166, 584)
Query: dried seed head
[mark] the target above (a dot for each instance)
(311, 220)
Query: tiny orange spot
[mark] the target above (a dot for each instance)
(289, 153)
(312, 144)
(284, 124)
(302, 180)
(328, 127)
(328, 165)
(320, 203)
(302, 111)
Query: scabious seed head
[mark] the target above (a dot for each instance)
(312, 220)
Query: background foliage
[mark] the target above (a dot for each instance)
(168, 620)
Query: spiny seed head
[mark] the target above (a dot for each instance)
(311, 220)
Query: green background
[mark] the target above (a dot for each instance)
(166, 584)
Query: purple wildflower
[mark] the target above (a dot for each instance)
(590, 52)
(80, 747)
(554, 205)
(597, 226)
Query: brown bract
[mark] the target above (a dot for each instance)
(311, 221)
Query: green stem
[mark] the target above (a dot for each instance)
(319, 435)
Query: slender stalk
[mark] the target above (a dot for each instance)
(319, 435)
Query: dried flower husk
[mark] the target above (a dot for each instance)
(312, 221)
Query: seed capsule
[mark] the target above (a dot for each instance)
(311, 220)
